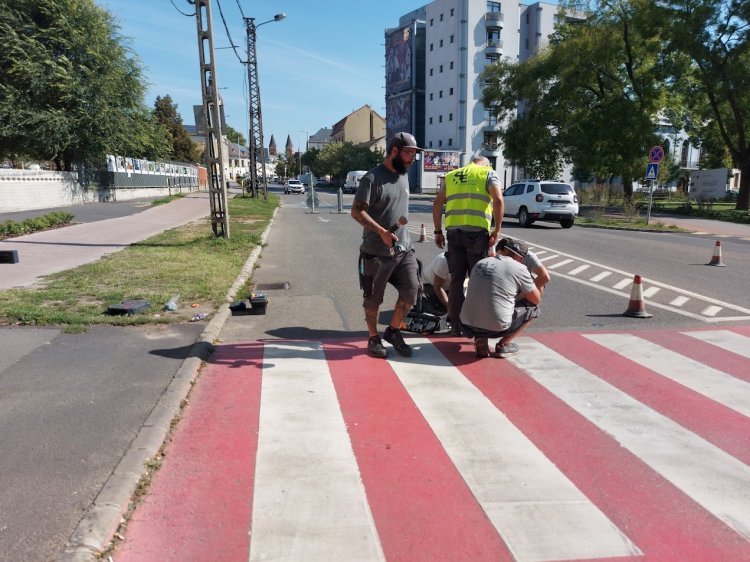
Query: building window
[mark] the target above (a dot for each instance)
(452, 36)
(490, 116)
(430, 72)
(450, 118)
(440, 143)
(430, 144)
(493, 38)
(451, 65)
(450, 142)
(490, 141)
(440, 118)
(430, 120)
(450, 92)
(440, 94)
(494, 7)
(527, 44)
(430, 96)
(441, 17)
(431, 22)
(489, 59)
(453, 11)
(527, 18)
(441, 42)
(441, 69)
(431, 46)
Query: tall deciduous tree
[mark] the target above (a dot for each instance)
(590, 99)
(715, 86)
(70, 89)
(181, 146)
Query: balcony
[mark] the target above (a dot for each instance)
(494, 47)
(494, 20)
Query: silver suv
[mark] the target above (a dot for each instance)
(531, 200)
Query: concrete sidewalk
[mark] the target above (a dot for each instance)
(51, 251)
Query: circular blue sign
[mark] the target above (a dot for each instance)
(656, 154)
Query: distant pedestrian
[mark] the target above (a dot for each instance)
(501, 300)
(381, 206)
(472, 196)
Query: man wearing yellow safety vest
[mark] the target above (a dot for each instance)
(472, 196)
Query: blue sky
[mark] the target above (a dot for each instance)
(322, 62)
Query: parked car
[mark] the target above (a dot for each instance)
(545, 200)
(352, 180)
(293, 186)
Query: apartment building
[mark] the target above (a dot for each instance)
(434, 59)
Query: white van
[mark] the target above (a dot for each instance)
(352, 180)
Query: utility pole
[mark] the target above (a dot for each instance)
(257, 152)
(217, 187)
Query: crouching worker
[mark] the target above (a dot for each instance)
(500, 301)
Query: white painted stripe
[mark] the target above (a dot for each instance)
(309, 502)
(602, 275)
(538, 252)
(622, 284)
(550, 257)
(711, 383)
(679, 301)
(712, 310)
(724, 339)
(651, 291)
(524, 495)
(559, 264)
(578, 269)
(716, 480)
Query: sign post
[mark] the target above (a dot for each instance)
(655, 155)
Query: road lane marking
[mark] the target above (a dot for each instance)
(679, 301)
(650, 292)
(623, 283)
(578, 269)
(525, 496)
(709, 475)
(602, 275)
(725, 340)
(712, 310)
(309, 502)
(559, 264)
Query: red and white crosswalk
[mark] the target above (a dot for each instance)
(584, 446)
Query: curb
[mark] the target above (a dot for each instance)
(99, 524)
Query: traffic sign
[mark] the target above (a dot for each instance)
(651, 171)
(656, 154)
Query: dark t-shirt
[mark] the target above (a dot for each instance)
(387, 196)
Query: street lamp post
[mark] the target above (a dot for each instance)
(257, 152)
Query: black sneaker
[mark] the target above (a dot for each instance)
(375, 348)
(455, 331)
(395, 338)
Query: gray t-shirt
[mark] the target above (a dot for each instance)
(494, 284)
(387, 196)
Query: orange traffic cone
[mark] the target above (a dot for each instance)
(636, 306)
(422, 234)
(716, 258)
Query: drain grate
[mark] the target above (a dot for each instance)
(272, 286)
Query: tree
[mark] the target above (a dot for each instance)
(235, 136)
(715, 86)
(338, 158)
(590, 99)
(181, 146)
(70, 90)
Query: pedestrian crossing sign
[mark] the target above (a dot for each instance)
(651, 170)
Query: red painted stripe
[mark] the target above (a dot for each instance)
(422, 507)
(199, 504)
(662, 521)
(703, 352)
(722, 426)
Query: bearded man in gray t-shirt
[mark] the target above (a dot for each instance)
(381, 206)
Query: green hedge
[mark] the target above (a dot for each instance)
(10, 229)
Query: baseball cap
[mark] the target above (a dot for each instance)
(403, 140)
(515, 246)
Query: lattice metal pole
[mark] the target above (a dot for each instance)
(217, 187)
(257, 152)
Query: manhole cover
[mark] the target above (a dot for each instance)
(272, 286)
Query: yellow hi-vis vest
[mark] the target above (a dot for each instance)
(467, 202)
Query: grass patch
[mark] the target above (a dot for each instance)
(625, 222)
(55, 219)
(189, 261)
